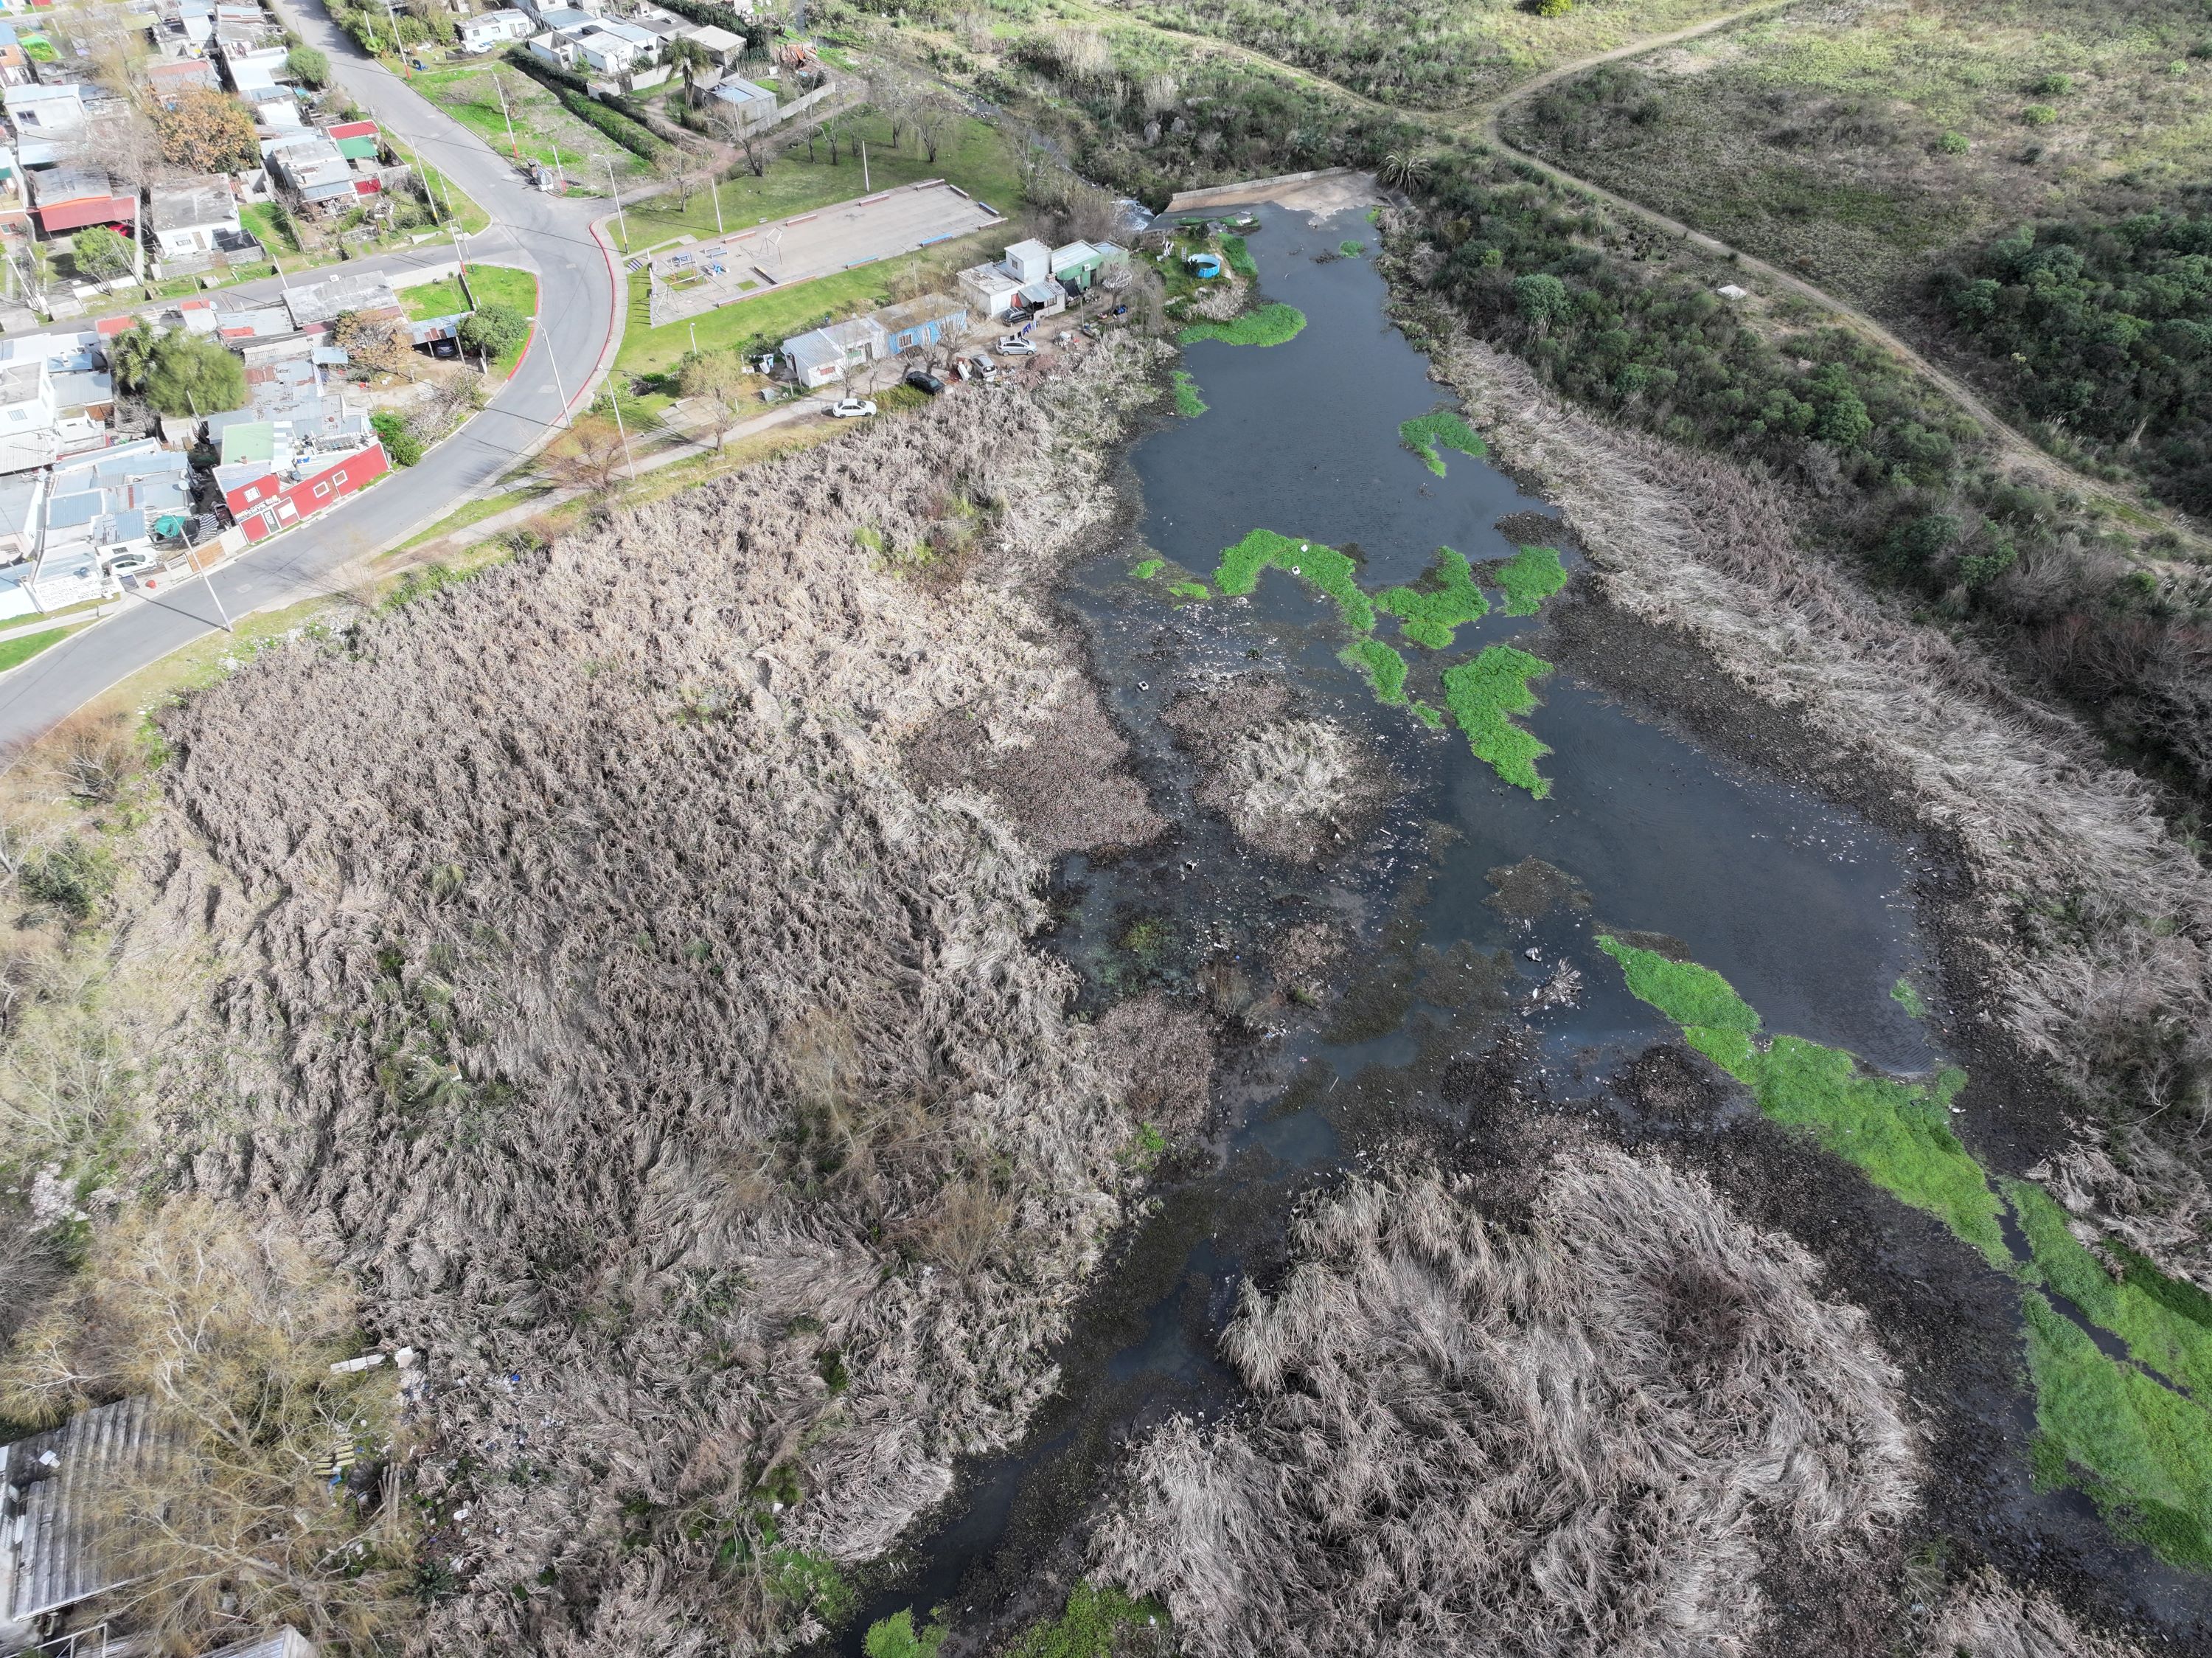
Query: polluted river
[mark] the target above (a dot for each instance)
(1470, 929)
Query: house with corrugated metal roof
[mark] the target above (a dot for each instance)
(57, 1542)
(925, 322)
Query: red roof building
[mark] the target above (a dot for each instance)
(274, 506)
(69, 198)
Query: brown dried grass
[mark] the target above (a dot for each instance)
(598, 995)
(1584, 1438)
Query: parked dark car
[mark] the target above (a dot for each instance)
(923, 380)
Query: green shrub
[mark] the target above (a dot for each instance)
(2039, 115)
(896, 1636)
(73, 876)
(400, 443)
(493, 331)
(2051, 86)
(1953, 143)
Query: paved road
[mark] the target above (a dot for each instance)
(577, 322)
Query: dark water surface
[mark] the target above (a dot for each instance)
(1803, 907)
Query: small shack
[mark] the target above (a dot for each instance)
(925, 322)
(54, 1486)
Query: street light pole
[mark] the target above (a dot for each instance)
(207, 575)
(499, 87)
(614, 189)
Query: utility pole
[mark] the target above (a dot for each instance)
(866, 188)
(614, 400)
(714, 189)
(207, 577)
(560, 179)
(499, 87)
(614, 189)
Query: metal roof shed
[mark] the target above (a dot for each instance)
(287, 1642)
(52, 1555)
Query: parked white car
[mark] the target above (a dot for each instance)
(132, 563)
(1015, 345)
(849, 408)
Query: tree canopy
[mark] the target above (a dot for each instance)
(100, 254)
(208, 131)
(177, 373)
(493, 330)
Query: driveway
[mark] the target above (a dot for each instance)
(578, 317)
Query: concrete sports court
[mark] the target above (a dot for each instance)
(701, 276)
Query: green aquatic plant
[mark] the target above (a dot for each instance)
(1270, 325)
(1908, 998)
(1447, 596)
(1383, 668)
(2162, 1331)
(1485, 696)
(1899, 1133)
(1529, 577)
(896, 1636)
(1323, 567)
(1351, 249)
(1239, 256)
(1145, 569)
(1188, 589)
(1428, 435)
(1188, 404)
(2143, 1453)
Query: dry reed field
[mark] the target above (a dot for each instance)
(1584, 1437)
(586, 982)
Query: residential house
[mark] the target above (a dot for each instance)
(828, 354)
(23, 515)
(988, 290)
(551, 14)
(315, 306)
(55, 1547)
(934, 320)
(597, 45)
(171, 78)
(492, 29)
(553, 19)
(357, 141)
(107, 505)
(276, 110)
(755, 104)
(29, 437)
(314, 169)
(189, 23)
(279, 480)
(194, 216)
(723, 47)
(15, 62)
(253, 65)
(44, 112)
(65, 198)
(1027, 262)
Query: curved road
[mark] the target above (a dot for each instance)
(578, 324)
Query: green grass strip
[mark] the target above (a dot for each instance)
(1446, 597)
(2143, 1453)
(1484, 697)
(1383, 668)
(24, 646)
(1090, 1625)
(1899, 1133)
(1271, 324)
(1188, 404)
(1529, 577)
(2157, 1333)
(1239, 257)
(1145, 569)
(1323, 567)
(1428, 435)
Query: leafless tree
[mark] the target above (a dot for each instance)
(717, 381)
(589, 456)
(932, 118)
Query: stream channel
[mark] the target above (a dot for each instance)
(1805, 909)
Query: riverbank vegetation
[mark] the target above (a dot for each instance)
(1428, 435)
(1388, 1489)
(1273, 324)
(1432, 612)
(1486, 696)
(300, 982)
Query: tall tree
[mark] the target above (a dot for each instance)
(208, 132)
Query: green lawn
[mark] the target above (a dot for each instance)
(543, 129)
(20, 649)
(491, 284)
(974, 155)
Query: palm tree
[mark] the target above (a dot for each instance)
(690, 58)
(1404, 168)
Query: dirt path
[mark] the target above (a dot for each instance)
(1484, 119)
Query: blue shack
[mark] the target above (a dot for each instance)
(929, 321)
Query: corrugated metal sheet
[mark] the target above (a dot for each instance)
(287, 1642)
(63, 1476)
